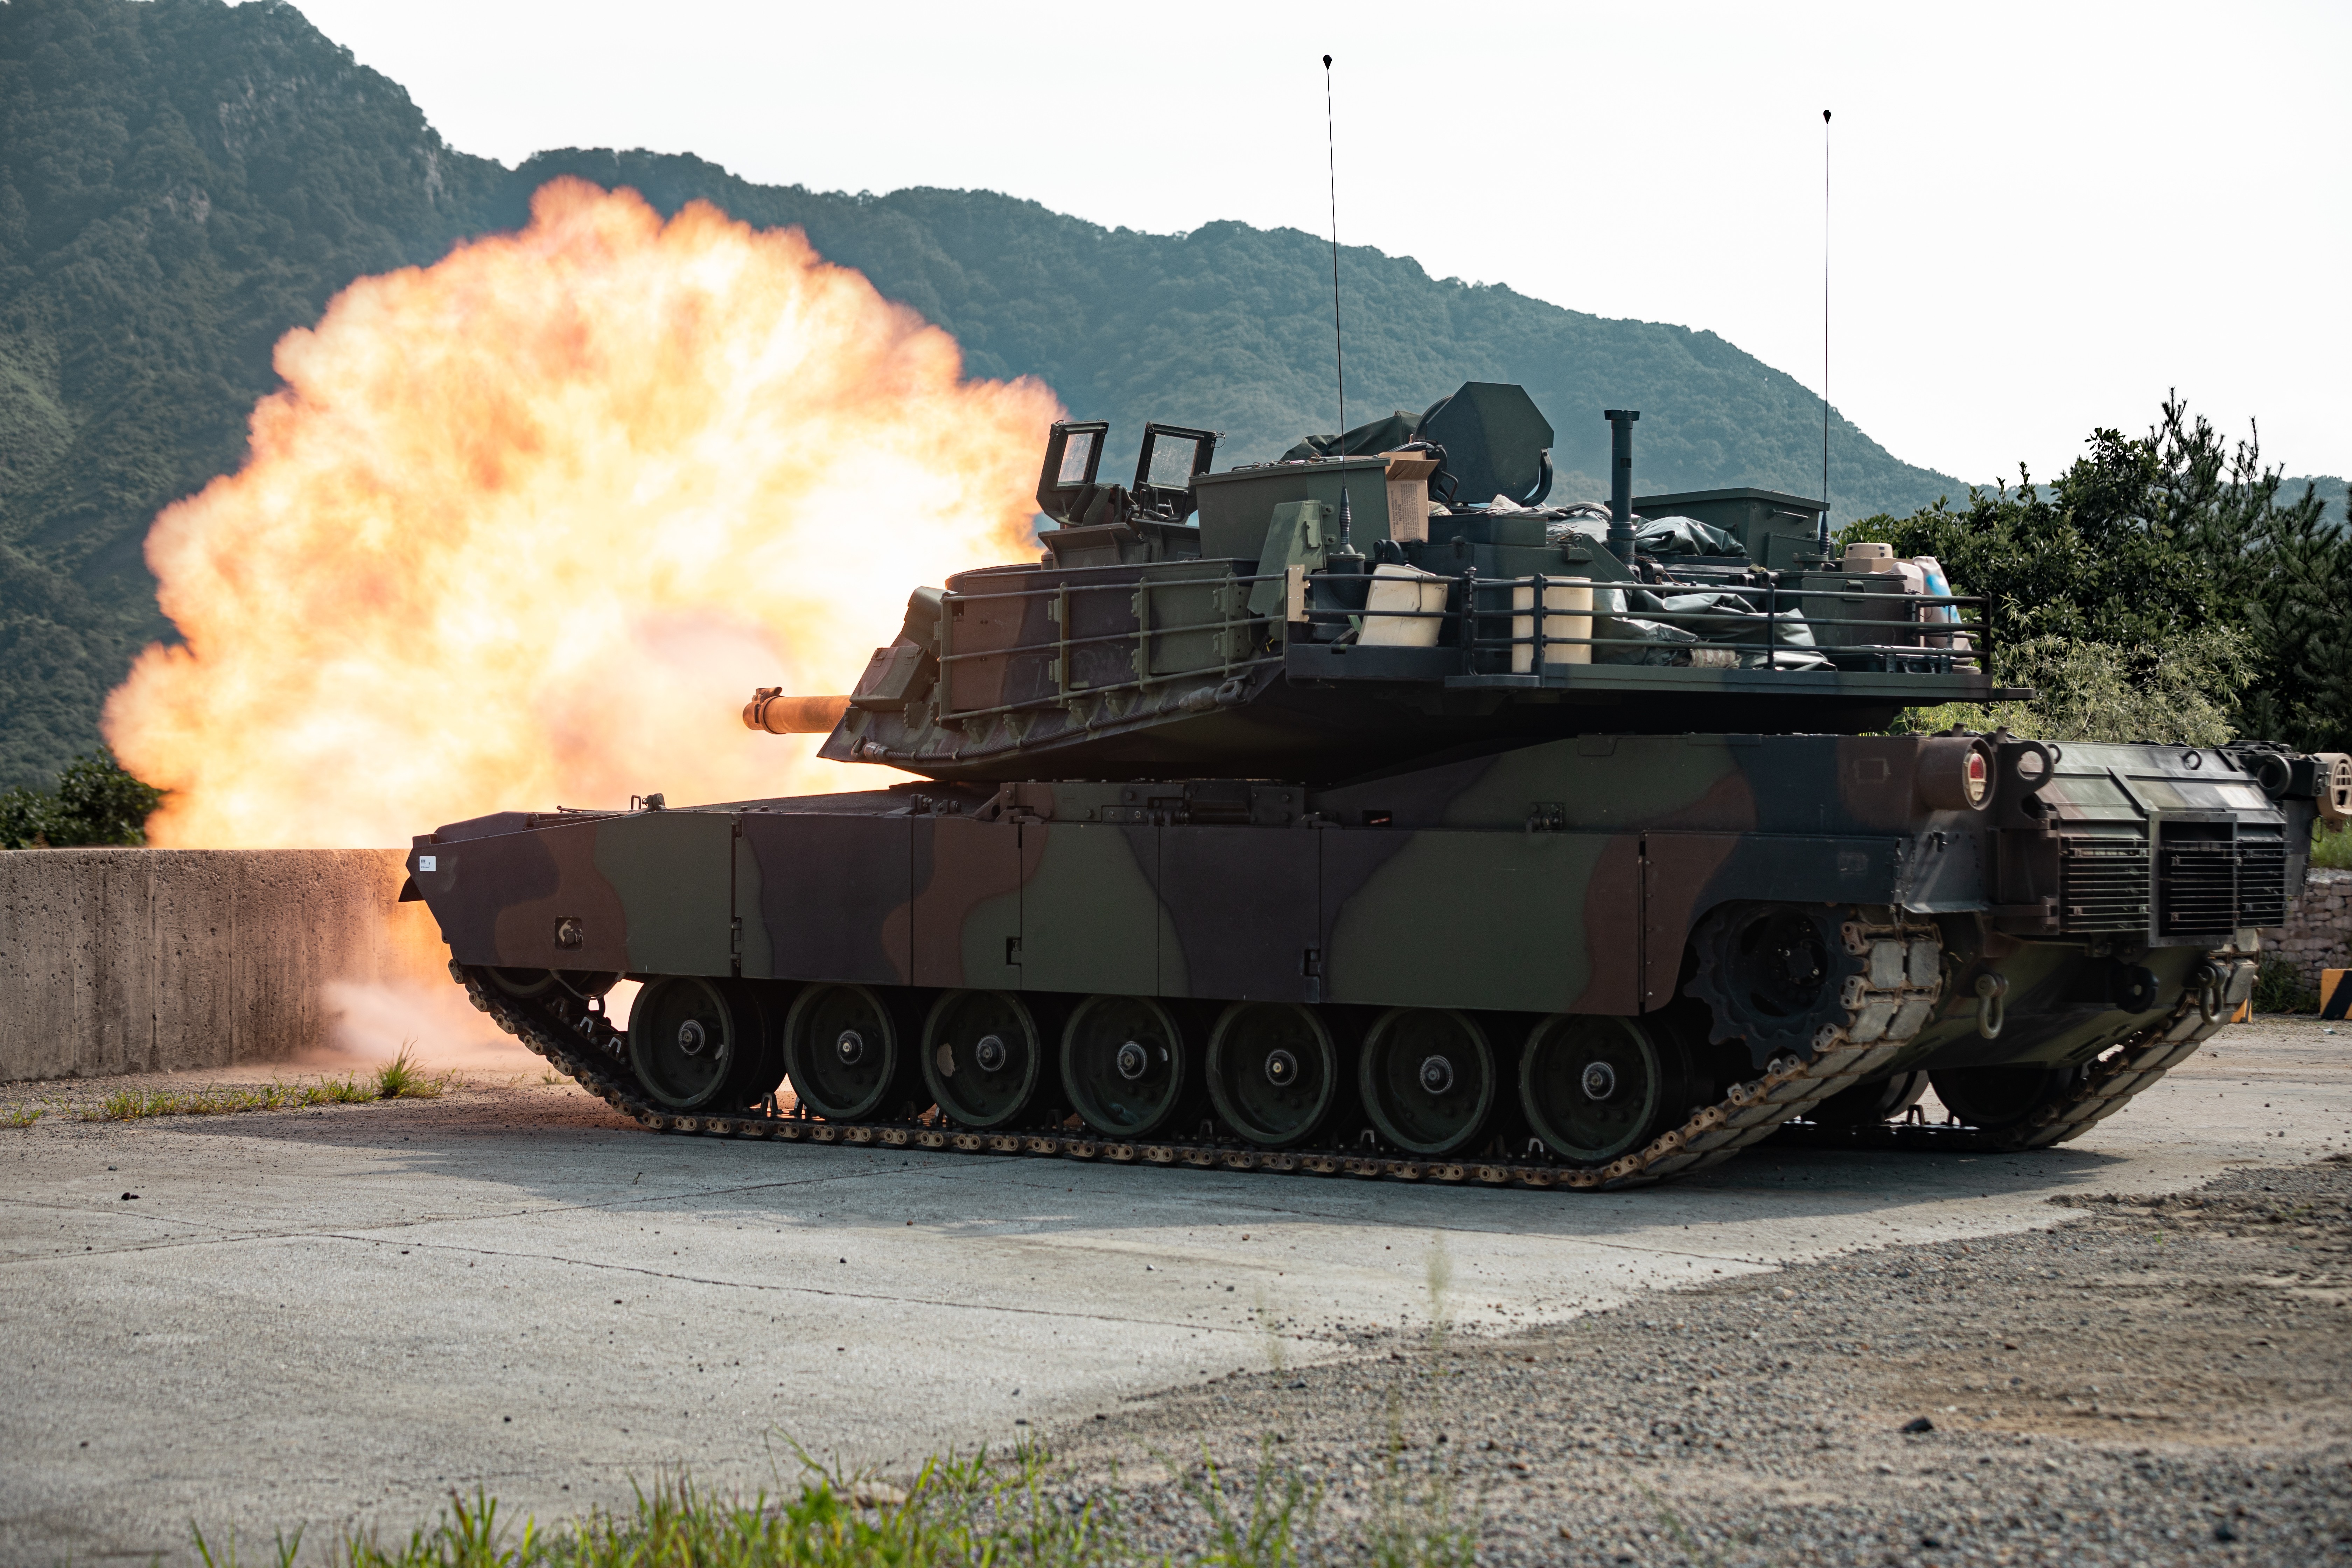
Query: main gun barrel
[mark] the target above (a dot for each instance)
(778, 714)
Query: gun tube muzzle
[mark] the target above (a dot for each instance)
(778, 714)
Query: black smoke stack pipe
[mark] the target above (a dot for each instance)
(1621, 482)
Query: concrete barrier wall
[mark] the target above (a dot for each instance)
(117, 961)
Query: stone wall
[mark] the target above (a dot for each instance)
(117, 961)
(2318, 930)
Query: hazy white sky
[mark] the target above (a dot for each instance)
(2045, 214)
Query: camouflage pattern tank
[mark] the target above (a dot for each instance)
(1322, 815)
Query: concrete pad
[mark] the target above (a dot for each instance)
(332, 1318)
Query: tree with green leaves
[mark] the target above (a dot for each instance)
(97, 802)
(2112, 585)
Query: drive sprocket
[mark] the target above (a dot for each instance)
(1787, 977)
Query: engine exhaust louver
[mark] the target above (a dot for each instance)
(2261, 884)
(2103, 885)
(2207, 886)
(2196, 888)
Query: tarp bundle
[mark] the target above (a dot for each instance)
(1663, 536)
(1719, 617)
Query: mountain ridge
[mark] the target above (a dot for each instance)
(1264, 373)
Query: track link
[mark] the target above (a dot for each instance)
(2119, 1073)
(1885, 1005)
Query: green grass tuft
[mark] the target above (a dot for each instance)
(958, 1512)
(401, 1078)
(216, 1099)
(23, 1115)
(1276, 1526)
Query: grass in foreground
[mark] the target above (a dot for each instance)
(957, 1511)
(979, 1512)
(399, 1078)
(402, 1078)
(138, 1104)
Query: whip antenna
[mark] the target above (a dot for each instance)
(1825, 331)
(1338, 354)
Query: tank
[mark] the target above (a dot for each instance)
(1363, 814)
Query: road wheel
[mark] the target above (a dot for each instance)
(523, 984)
(530, 984)
(1273, 1072)
(980, 1057)
(845, 1052)
(697, 1044)
(1595, 1089)
(1998, 1098)
(1125, 1064)
(1427, 1077)
(1867, 1104)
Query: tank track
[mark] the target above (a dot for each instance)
(1883, 1007)
(2119, 1074)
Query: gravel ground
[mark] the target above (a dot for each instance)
(2149, 1381)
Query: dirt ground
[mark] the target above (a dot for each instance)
(2155, 1381)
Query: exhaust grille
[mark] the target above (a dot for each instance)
(2103, 885)
(2261, 884)
(2207, 886)
(2196, 888)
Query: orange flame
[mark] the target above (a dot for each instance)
(527, 526)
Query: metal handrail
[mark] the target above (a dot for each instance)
(1960, 637)
(1059, 646)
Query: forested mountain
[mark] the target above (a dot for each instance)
(1230, 327)
(181, 182)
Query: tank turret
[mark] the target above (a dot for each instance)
(1353, 608)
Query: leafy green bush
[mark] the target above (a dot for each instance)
(2279, 988)
(2180, 692)
(2332, 849)
(2104, 582)
(97, 802)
